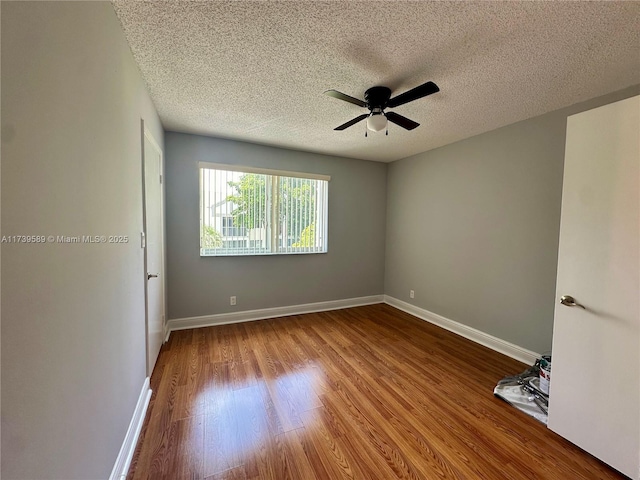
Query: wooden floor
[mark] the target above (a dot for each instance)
(362, 393)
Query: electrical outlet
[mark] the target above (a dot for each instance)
(232, 300)
(412, 294)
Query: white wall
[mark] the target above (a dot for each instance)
(73, 336)
(353, 266)
(473, 227)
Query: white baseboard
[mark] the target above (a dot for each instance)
(494, 343)
(251, 315)
(514, 351)
(166, 331)
(121, 467)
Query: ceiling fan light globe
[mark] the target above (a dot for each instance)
(376, 123)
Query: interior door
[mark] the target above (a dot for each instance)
(154, 248)
(595, 376)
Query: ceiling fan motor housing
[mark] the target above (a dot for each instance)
(377, 97)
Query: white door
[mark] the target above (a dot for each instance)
(595, 376)
(154, 250)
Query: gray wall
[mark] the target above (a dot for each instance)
(353, 267)
(73, 335)
(473, 227)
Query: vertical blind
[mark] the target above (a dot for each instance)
(250, 211)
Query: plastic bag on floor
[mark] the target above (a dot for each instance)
(523, 392)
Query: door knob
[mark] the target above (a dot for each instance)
(152, 275)
(569, 301)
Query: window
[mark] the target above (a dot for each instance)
(230, 230)
(254, 211)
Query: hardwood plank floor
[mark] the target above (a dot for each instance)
(363, 393)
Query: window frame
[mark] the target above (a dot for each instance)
(323, 211)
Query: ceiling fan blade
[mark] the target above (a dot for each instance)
(413, 94)
(346, 98)
(352, 122)
(404, 122)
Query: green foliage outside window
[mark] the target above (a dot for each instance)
(210, 238)
(296, 203)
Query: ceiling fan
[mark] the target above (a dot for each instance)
(376, 99)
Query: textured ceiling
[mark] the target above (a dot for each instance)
(256, 71)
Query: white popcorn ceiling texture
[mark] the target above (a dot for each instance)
(256, 71)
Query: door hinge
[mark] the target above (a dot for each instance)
(143, 240)
(160, 178)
